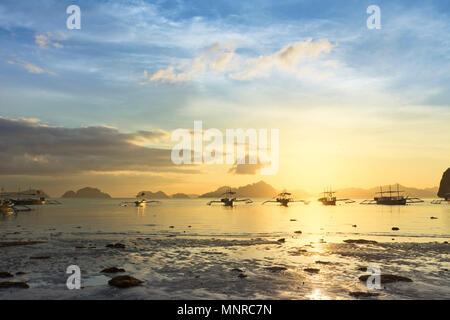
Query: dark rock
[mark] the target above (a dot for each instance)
(40, 257)
(20, 273)
(4, 244)
(387, 278)
(293, 220)
(11, 284)
(113, 270)
(360, 241)
(124, 282)
(116, 245)
(444, 187)
(242, 275)
(311, 270)
(354, 226)
(299, 232)
(236, 270)
(359, 294)
(363, 269)
(433, 217)
(276, 269)
(298, 252)
(5, 274)
(171, 227)
(323, 262)
(395, 228)
(212, 252)
(282, 240)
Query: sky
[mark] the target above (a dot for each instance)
(355, 107)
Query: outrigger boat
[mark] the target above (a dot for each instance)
(139, 202)
(439, 201)
(284, 198)
(24, 198)
(329, 199)
(390, 199)
(229, 199)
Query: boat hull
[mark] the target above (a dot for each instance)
(391, 202)
(328, 202)
(28, 202)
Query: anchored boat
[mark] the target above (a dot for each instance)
(392, 198)
(229, 199)
(24, 198)
(139, 202)
(284, 198)
(329, 199)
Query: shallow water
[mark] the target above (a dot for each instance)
(195, 258)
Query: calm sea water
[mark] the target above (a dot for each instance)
(98, 215)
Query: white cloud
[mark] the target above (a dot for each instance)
(31, 68)
(49, 39)
(216, 58)
(287, 59)
(222, 59)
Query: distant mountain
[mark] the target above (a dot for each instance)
(152, 195)
(180, 196)
(259, 189)
(369, 193)
(444, 187)
(86, 193)
(69, 194)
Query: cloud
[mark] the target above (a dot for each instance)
(31, 68)
(216, 58)
(30, 147)
(247, 168)
(49, 39)
(288, 59)
(222, 59)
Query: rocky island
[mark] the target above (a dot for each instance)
(444, 187)
(86, 193)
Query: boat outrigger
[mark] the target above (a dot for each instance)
(329, 199)
(229, 200)
(390, 199)
(284, 198)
